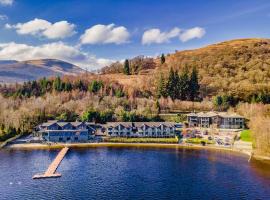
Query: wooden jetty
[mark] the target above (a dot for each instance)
(50, 173)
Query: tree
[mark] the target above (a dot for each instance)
(57, 84)
(68, 87)
(43, 84)
(161, 90)
(95, 86)
(126, 67)
(183, 85)
(91, 115)
(119, 92)
(218, 101)
(194, 86)
(162, 59)
(171, 84)
(157, 106)
(80, 85)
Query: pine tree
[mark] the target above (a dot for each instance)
(161, 90)
(172, 84)
(194, 86)
(126, 67)
(218, 101)
(162, 59)
(68, 87)
(57, 84)
(183, 84)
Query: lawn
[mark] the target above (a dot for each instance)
(246, 136)
(141, 140)
(199, 141)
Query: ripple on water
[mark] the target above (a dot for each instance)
(134, 173)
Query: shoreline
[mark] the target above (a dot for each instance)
(38, 146)
(33, 146)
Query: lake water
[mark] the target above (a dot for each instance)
(133, 173)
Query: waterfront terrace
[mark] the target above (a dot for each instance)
(140, 129)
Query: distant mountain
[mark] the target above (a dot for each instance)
(18, 71)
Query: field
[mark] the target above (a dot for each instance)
(141, 140)
(246, 136)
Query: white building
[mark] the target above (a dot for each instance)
(221, 120)
(56, 131)
(140, 129)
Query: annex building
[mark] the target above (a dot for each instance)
(222, 120)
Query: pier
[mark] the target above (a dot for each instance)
(50, 173)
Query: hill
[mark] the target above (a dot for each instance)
(19, 71)
(238, 67)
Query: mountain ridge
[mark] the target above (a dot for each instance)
(19, 71)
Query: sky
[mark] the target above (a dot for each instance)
(92, 34)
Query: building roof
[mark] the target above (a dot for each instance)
(138, 124)
(61, 124)
(213, 114)
(49, 123)
(192, 114)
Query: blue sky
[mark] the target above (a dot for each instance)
(116, 27)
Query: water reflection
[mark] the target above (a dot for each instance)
(134, 173)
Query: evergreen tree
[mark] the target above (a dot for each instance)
(57, 84)
(80, 85)
(95, 86)
(157, 105)
(183, 84)
(161, 90)
(218, 101)
(162, 59)
(68, 87)
(172, 84)
(126, 67)
(194, 86)
(43, 84)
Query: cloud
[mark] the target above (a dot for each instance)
(156, 36)
(6, 2)
(105, 34)
(3, 17)
(56, 50)
(43, 28)
(189, 34)
(60, 29)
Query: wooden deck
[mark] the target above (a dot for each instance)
(50, 173)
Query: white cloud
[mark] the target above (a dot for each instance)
(6, 2)
(189, 34)
(156, 36)
(41, 27)
(56, 50)
(3, 17)
(60, 29)
(105, 34)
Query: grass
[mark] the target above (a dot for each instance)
(141, 140)
(199, 141)
(246, 136)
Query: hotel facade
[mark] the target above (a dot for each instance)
(57, 131)
(220, 120)
(140, 129)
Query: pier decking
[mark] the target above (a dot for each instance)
(50, 173)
